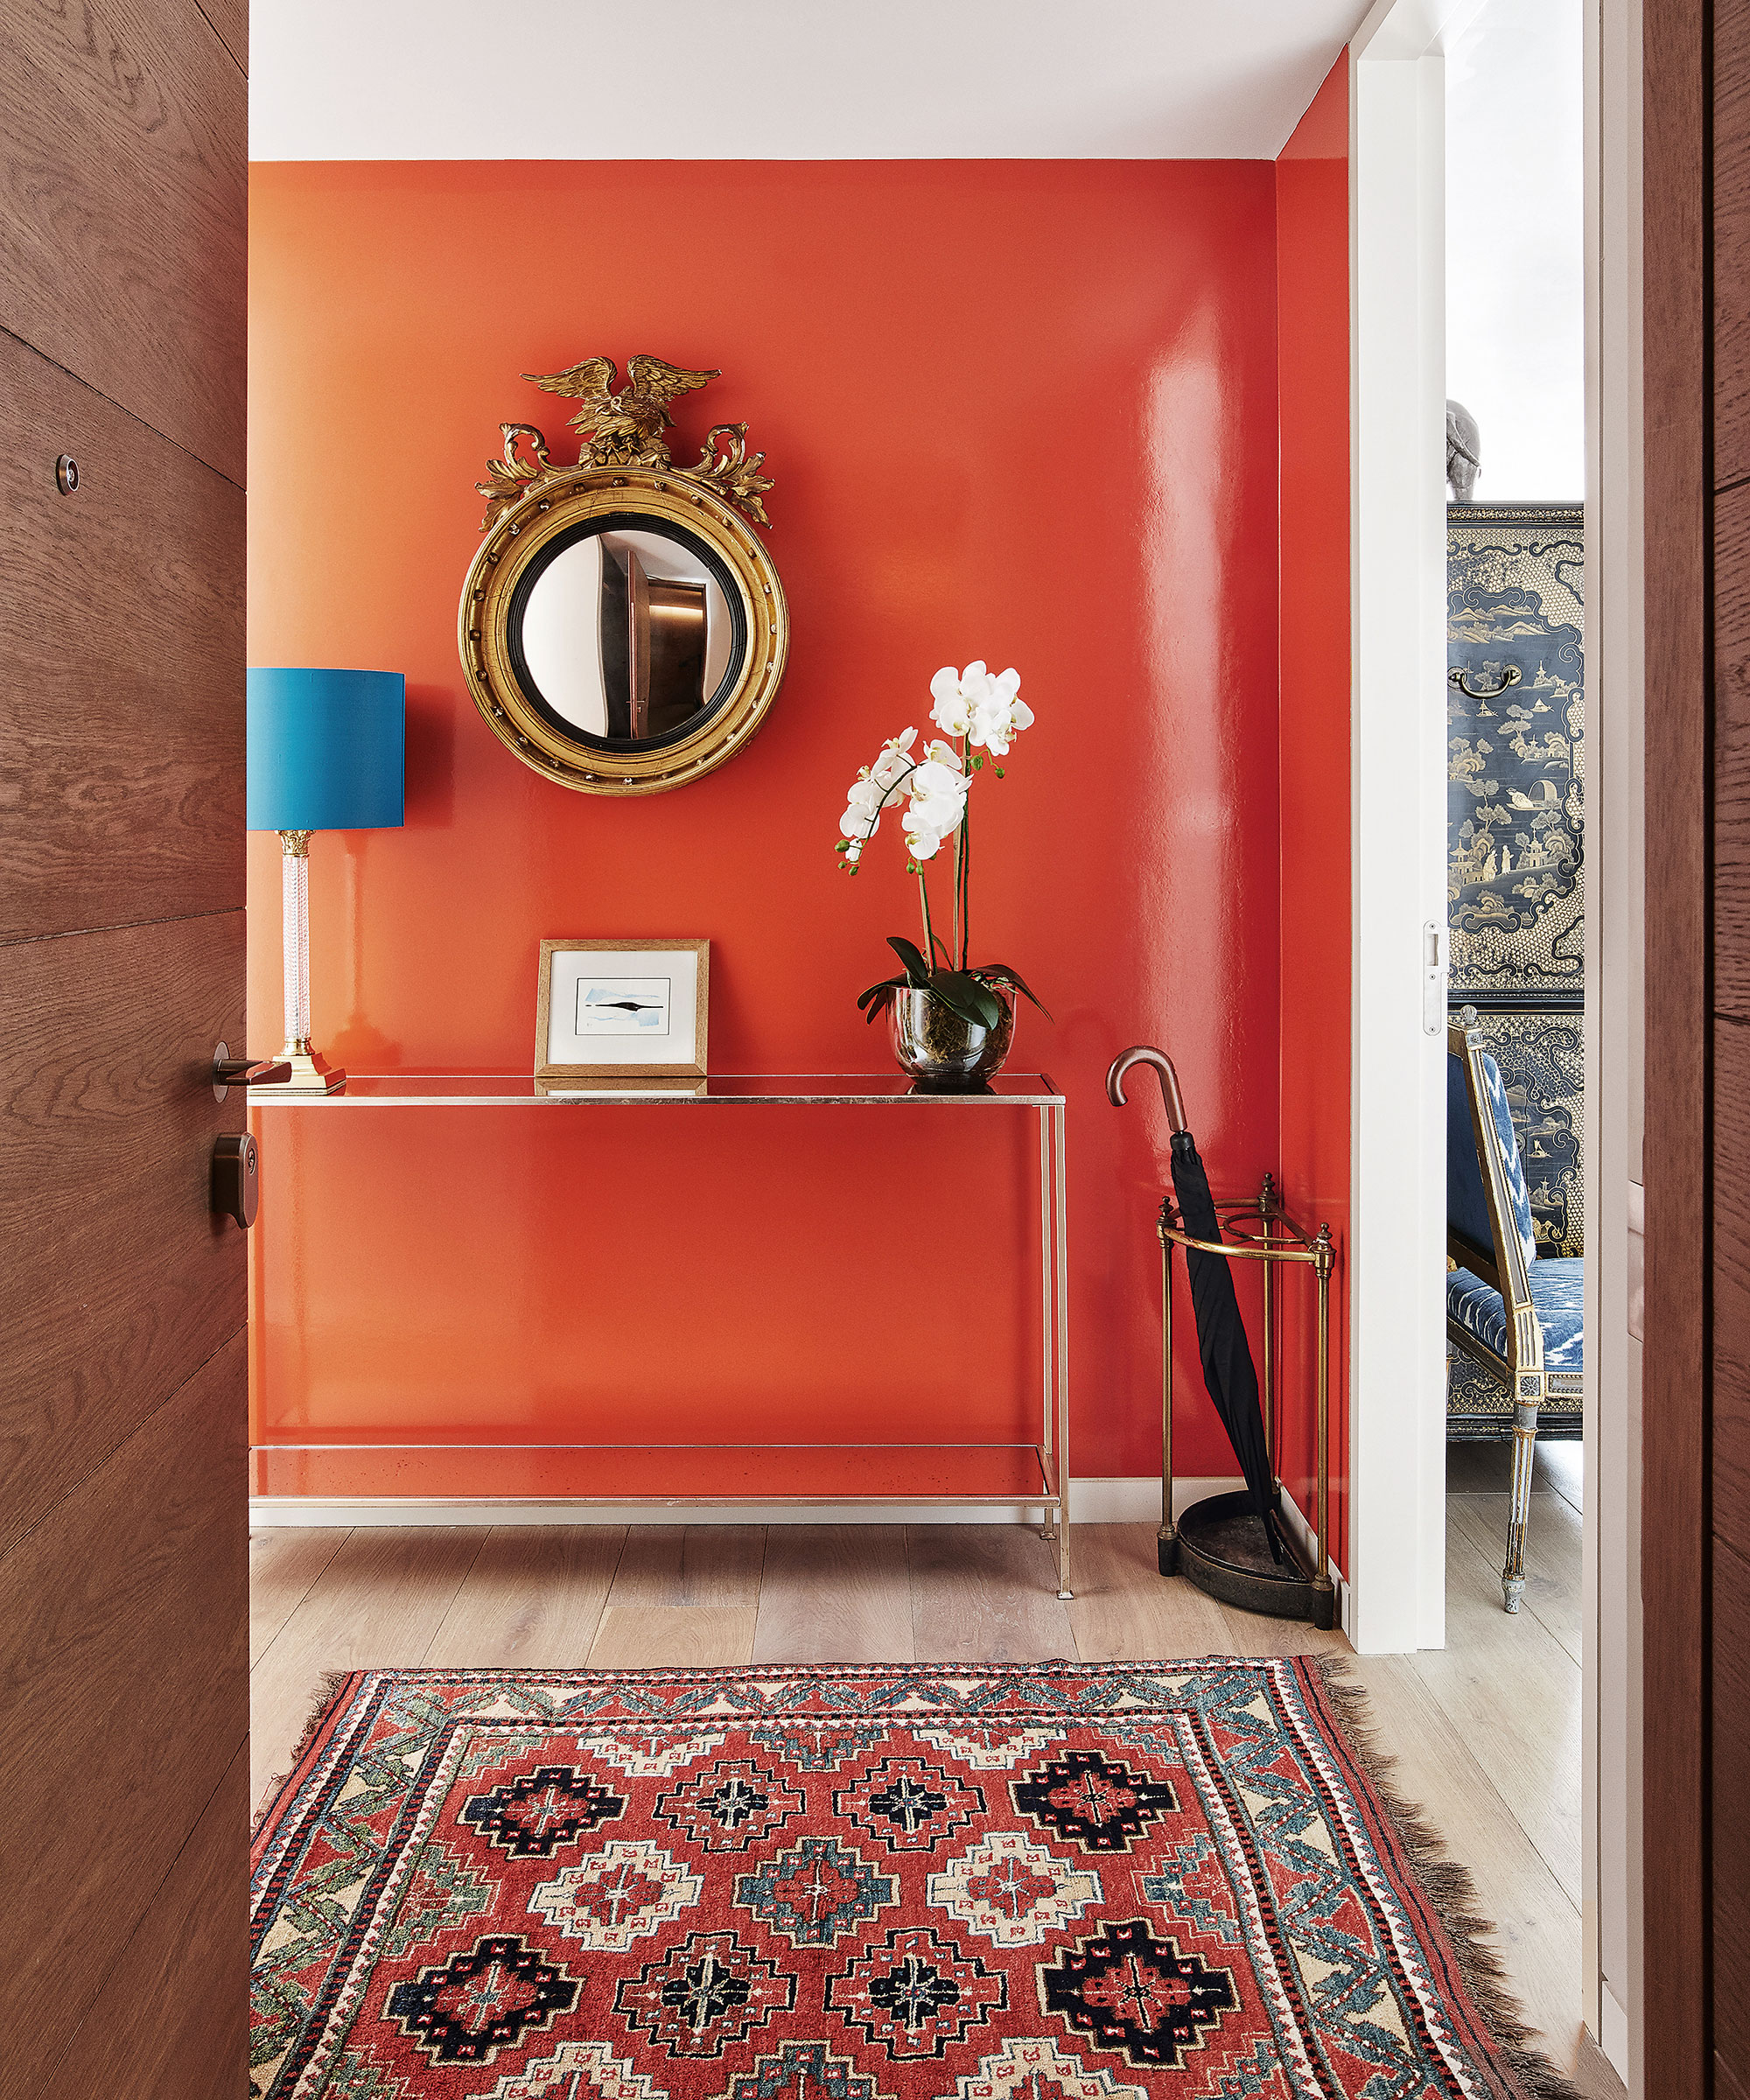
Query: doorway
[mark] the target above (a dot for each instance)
(1444, 96)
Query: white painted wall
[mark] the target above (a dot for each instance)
(1516, 243)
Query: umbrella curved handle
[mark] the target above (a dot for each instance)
(1145, 1053)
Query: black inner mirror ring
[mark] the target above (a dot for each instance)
(662, 528)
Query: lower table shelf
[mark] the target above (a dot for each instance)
(381, 1471)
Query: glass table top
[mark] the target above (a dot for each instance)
(518, 1089)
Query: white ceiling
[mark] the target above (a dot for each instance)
(785, 80)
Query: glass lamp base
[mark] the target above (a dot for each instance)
(311, 1073)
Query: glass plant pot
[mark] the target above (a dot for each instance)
(944, 1054)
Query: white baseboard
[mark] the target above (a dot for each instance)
(1124, 1500)
(1301, 1532)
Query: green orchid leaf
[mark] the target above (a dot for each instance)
(917, 970)
(877, 997)
(1000, 973)
(960, 990)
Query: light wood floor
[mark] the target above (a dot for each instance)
(1486, 1732)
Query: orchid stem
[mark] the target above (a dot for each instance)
(929, 931)
(963, 878)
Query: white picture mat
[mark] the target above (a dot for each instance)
(572, 967)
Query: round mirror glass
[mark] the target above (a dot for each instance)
(626, 632)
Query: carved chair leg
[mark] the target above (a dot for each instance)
(1524, 1454)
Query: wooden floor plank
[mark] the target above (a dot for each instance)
(690, 1564)
(1486, 1467)
(283, 1563)
(987, 1593)
(1512, 1694)
(835, 1594)
(1251, 1634)
(1553, 1554)
(1124, 1606)
(375, 1605)
(677, 1636)
(1443, 1775)
(533, 1598)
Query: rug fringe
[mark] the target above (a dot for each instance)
(333, 1684)
(1451, 1893)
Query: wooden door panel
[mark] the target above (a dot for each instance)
(1732, 749)
(120, 1278)
(1731, 244)
(124, 192)
(231, 19)
(124, 2045)
(120, 665)
(123, 1670)
(1731, 1287)
(1731, 1825)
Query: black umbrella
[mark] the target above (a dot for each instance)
(1228, 1371)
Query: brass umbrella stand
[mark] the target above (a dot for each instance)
(1218, 1543)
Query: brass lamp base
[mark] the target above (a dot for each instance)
(311, 1073)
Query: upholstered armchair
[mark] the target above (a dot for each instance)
(1521, 1320)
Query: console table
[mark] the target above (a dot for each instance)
(1034, 1474)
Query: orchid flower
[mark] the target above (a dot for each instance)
(871, 790)
(999, 714)
(938, 788)
(955, 693)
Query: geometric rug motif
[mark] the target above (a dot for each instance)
(1051, 1882)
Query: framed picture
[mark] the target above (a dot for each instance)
(619, 1015)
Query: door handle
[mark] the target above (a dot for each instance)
(236, 1177)
(229, 1071)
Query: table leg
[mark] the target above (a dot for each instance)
(1059, 1225)
(1047, 1339)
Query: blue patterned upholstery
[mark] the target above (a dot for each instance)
(1466, 1206)
(1558, 1294)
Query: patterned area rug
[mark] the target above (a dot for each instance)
(962, 1883)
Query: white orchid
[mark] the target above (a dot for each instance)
(870, 791)
(895, 760)
(955, 693)
(976, 708)
(982, 706)
(938, 788)
(999, 714)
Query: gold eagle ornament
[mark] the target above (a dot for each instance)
(623, 429)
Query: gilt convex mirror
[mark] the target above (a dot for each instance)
(622, 627)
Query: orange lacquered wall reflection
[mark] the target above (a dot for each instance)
(1013, 409)
(1312, 279)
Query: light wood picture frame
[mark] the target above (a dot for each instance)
(622, 1015)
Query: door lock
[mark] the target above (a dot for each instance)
(236, 1177)
(229, 1071)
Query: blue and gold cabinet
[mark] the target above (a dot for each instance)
(1515, 774)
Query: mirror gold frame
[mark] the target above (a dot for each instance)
(623, 471)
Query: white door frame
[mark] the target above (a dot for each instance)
(1610, 1887)
(1397, 1401)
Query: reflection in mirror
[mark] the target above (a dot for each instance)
(626, 635)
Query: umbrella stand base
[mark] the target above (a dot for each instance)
(1220, 1547)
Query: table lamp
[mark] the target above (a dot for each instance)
(326, 752)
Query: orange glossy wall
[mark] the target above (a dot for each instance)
(1313, 281)
(1021, 411)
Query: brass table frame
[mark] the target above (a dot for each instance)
(365, 1091)
(1273, 1237)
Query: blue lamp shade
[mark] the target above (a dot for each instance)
(326, 750)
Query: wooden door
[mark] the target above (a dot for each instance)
(123, 1695)
(1696, 1411)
